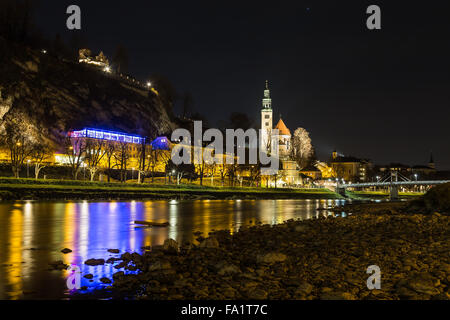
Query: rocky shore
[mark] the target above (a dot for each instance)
(325, 258)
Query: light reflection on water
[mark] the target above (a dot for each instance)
(33, 233)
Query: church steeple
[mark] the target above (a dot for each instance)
(266, 119)
(431, 164)
(267, 101)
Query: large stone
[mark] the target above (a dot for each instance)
(337, 296)
(95, 262)
(58, 265)
(105, 280)
(301, 228)
(424, 283)
(256, 294)
(304, 289)
(209, 243)
(227, 269)
(159, 266)
(171, 246)
(271, 258)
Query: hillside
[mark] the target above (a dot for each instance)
(51, 96)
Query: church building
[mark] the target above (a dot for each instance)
(288, 175)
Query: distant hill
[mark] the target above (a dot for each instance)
(52, 96)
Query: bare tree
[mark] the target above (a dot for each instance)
(302, 149)
(122, 157)
(18, 144)
(233, 173)
(255, 174)
(211, 169)
(188, 104)
(279, 175)
(39, 154)
(16, 19)
(223, 171)
(120, 59)
(144, 155)
(75, 149)
(201, 169)
(95, 151)
(164, 157)
(152, 161)
(110, 149)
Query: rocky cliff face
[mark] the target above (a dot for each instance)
(52, 96)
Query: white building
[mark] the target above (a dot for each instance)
(266, 119)
(289, 174)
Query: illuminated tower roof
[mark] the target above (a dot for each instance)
(267, 101)
(282, 129)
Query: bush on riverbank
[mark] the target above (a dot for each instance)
(438, 198)
(435, 200)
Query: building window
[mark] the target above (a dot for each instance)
(267, 116)
(267, 124)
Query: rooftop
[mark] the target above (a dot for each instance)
(283, 130)
(349, 159)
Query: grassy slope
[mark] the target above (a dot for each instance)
(379, 194)
(56, 189)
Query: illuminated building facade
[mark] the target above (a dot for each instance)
(289, 174)
(85, 56)
(350, 169)
(107, 135)
(266, 119)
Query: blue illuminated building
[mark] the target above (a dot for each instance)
(107, 135)
(161, 143)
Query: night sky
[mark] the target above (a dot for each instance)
(383, 95)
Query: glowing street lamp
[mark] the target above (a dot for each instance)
(149, 84)
(107, 70)
(28, 168)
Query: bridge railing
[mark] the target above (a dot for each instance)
(395, 183)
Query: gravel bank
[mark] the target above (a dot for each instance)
(323, 258)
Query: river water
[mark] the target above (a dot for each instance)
(32, 234)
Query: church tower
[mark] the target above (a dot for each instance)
(266, 119)
(431, 164)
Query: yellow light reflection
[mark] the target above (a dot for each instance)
(15, 250)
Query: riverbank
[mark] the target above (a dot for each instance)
(324, 258)
(28, 189)
(381, 195)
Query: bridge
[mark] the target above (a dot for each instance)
(393, 181)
